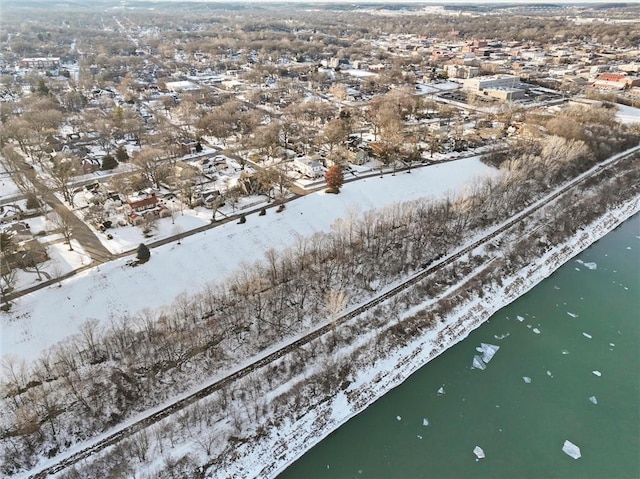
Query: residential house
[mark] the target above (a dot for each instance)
(308, 167)
(144, 206)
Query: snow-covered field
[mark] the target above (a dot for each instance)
(628, 114)
(41, 319)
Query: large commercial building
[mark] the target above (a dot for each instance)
(40, 63)
(504, 87)
(492, 82)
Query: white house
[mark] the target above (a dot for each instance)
(308, 167)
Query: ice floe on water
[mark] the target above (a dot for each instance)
(441, 390)
(597, 373)
(570, 449)
(399, 418)
(488, 351)
(587, 265)
(419, 436)
(573, 315)
(593, 399)
(501, 336)
(478, 363)
(565, 352)
(587, 335)
(536, 330)
(520, 318)
(549, 374)
(611, 344)
(425, 422)
(526, 379)
(478, 452)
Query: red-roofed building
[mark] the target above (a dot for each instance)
(616, 77)
(620, 79)
(143, 203)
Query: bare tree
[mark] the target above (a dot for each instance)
(334, 134)
(335, 302)
(217, 202)
(152, 166)
(267, 139)
(63, 219)
(62, 169)
(35, 255)
(8, 279)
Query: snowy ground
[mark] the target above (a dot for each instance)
(41, 319)
(7, 187)
(628, 114)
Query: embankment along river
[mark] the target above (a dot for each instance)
(567, 368)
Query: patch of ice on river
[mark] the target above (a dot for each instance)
(587, 265)
(565, 352)
(399, 418)
(419, 436)
(529, 326)
(611, 344)
(573, 315)
(520, 318)
(441, 391)
(526, 379)
(556, 287)
(501, 336)
(425, 422)
(570, 449)
(577, 269)
(587, 335)
(536, 330)
(478, 452)
(597, 373)
(488, 351)
(593, 399)
(478, 363)
(549, 374)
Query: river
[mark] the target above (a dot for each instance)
(567, 368)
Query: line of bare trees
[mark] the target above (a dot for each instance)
(103, 375)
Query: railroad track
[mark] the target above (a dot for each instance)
(315, 334)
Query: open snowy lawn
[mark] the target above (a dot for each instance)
(41, 319)
(7, 187)
(127, 238)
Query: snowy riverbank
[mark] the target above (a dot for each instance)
(267, 458)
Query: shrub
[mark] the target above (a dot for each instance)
(143, 253)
